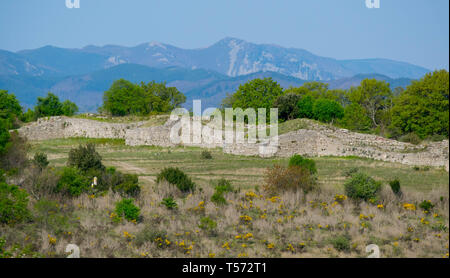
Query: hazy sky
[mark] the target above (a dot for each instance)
(414, 31)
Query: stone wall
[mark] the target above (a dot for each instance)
(65, 127)
(316, 140)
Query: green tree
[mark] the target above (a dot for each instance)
(48, 106)
(257, 93)
(4, 137)
(355, 118)
(423, 108)
(373, 96)
(326, 110)
(69, 108)
(125, 98)
(10, 109)
(287, 106)
(305, 106)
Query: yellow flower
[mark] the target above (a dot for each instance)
(248, 235)
(409, 206)
(270, 245)
(290, 248)
(51, 240)
(380, 206)
(238, 236)
(246, 218)
(226, 245)
(211, 255)
(395, 244)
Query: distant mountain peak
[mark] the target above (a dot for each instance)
(156, 44)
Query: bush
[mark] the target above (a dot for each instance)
(298, 160)
(85, 158)
(72, 182)
(176, 177)
(224, 185)
(41, 183)
(410, 138)
(40, 160)
(218, 198)
(13, 204)
(362, 187)
(279, 179)
(206, 155)
(15, 153)
(148, 234)
(126, 184)
(341, 243)
(207, 224)
(128, 210)
(169, 203)
(350, 172)
(426, 205)
(395, 186)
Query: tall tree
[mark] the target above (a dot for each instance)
(373, 96)
(423, 108)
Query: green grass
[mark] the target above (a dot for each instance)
(158, 120)
(244, 172)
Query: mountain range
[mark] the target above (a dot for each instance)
(82, 75)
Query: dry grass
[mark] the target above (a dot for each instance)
(292, 225)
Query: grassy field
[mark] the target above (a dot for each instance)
(244, 172)
(323, 223)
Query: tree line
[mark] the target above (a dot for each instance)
(418, 112)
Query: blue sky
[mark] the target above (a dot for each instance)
(414, 31)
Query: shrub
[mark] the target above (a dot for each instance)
(410, 138)
(85, 158)
(176, 177)
(362, 187)
(341, 242)
(128, 210)
(126, 184)
(15, 153)
(280, 179)
(350, 172)
(41, 183)
(426, 205)
(298, 160)
(169, 203)
(72, 182)
(53, 216)
(218, 198)
(13, 204)
(224, 185)
(207, 224)
(40, 160)
(206, 155)
(395, 186)
(148, 234)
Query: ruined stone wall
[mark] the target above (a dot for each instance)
(316, 140)
(65, 127)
